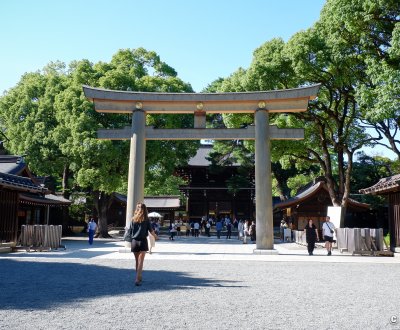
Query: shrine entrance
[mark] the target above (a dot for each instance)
(199, 104)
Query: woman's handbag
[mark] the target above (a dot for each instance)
(128, 234)
(128, 237)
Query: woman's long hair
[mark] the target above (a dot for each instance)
(140, 214)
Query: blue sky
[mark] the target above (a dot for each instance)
(202, 40)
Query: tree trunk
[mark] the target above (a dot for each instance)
(65, 189)
(102, 203)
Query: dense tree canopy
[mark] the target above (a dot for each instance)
(47, 117)
(369, 32)
(343, 52)
(353, 51)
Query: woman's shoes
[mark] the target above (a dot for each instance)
(138, 282)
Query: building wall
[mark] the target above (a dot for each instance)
(394, 218)
(8, 215)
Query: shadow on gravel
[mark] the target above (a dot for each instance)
(29, 285)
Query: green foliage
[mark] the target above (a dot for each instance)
(368, 31)
(299, 181)
(47, 117)
(161, 185)
(369, 170)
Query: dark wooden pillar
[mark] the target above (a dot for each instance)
(394, 220)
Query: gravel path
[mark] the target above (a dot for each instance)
(98, 293)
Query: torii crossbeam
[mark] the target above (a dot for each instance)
(199, 104)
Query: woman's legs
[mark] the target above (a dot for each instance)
(136, 260)
(310, 247)
(139, 268)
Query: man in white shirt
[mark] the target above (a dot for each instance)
(196, 229)
(91, 230)
(328, 228)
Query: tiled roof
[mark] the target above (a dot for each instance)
(384, 185)
(200, 159)
(308, 193)
(19, 183)
(155, 202)
(50, 199)
(12, 164)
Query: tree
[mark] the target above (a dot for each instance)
(332, 131)
(369, 30)
(47, 116)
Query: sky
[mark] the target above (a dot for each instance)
(202, 40)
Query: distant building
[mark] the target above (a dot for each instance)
(167, 206)
(207, 189)
(312, 202)
(390, 188)
(24, 199)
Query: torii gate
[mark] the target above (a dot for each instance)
(199, 104)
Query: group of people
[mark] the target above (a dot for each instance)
(141, 227)
(312, 235)
(246, 230)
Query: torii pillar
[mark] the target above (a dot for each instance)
(199, 104)
(264, 213)
(137, 156)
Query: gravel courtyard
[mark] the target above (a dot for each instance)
(93, 288)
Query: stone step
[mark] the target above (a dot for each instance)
(5, 249)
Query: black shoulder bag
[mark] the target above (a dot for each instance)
(329, 228)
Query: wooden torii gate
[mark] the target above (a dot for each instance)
(199, 104)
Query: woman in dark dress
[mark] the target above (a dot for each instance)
(140, 228)
(311, 236)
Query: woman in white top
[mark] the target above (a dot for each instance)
(240, 229)
(246, 231)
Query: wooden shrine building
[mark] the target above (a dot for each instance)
(24, 200)
(312, 202)
(207, 192)
(390, 188)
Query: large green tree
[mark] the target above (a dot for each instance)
(47, 117)
(332, 131)
(369, 31)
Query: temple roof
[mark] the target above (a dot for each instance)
(308, 193)
(12, 164)
(384, 186)
(50, 199)
(200, 159)
(20, 183)
(155, 202)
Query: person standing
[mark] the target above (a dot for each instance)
(140, 227)
(172, 230)
(240, 229)
(253, 231)
(188, 228)
(218, 227)
(228, 230)
(282, 228)
(328, 229)
(196, 229)
(208, 228)
(311, 236)
(91, 230)
(246, 231)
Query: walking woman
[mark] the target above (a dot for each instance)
(140, 228)
(311, 236)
